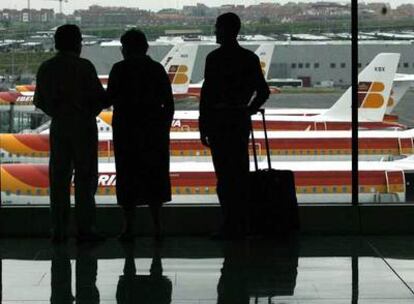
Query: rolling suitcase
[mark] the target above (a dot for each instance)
(273, 207)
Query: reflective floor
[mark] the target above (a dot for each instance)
(196, 270)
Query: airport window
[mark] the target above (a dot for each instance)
(324, 73)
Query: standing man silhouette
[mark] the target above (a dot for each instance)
(232, 76)
(68, 90)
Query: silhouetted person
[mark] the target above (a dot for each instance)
(68, 90)
(140, 92)
(61, 276)
(232, 76)
(152, 289)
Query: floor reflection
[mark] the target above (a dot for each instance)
(197, 270)
(258, 270)
(150, 288)
(61, 276)
(86, 274)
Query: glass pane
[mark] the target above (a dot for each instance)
(304, 52)
(385, 153)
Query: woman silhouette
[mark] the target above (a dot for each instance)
(140, 92)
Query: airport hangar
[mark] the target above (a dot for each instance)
(315, 62)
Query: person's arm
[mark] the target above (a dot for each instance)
(166, 94)
(98, 98)
(113, 87)
(204, 95)
(261, 87)
(43, 97)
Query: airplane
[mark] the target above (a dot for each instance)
(284, 146)
(375, 83)
(401, 84)
(195, 182)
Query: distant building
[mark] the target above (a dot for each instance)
(99, 15)
(24, 15)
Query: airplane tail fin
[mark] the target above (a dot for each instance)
(402, 83)
(265, 53)
(374, 89)
(179, 64)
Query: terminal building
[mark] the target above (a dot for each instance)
(315, 62)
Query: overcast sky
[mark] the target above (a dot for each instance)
(146, 4)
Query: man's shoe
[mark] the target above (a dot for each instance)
(91, 236)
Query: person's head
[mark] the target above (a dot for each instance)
(227, 27)
(68, 37)
(134, 42)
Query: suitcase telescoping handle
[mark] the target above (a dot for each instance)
(269, 163)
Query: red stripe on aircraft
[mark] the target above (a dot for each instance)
(33, 175)
(38, 142)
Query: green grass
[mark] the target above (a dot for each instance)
(22, 62)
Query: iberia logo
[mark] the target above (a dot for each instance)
(263, 66)
(391, 100)
(370, 94)
(178, 74)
